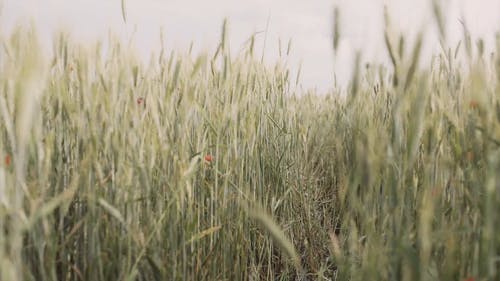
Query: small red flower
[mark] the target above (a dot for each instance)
(8, 160)
(209, 158)
(470, 279)
(140, 101)
(470, 156)
(473, 104)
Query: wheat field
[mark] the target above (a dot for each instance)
(216, 167)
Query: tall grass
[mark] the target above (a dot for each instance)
(213, 168)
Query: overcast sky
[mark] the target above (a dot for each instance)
(307, 23)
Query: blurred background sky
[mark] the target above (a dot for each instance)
(307, 23)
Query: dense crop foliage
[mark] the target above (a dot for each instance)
(213, 168)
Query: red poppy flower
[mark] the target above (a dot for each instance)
(209, 158)
(470, 279)
(7, 160)
(473, 104)
(470, 155)
(140, 101)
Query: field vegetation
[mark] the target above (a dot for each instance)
(216, 167)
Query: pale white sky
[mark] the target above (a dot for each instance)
(307, 23)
